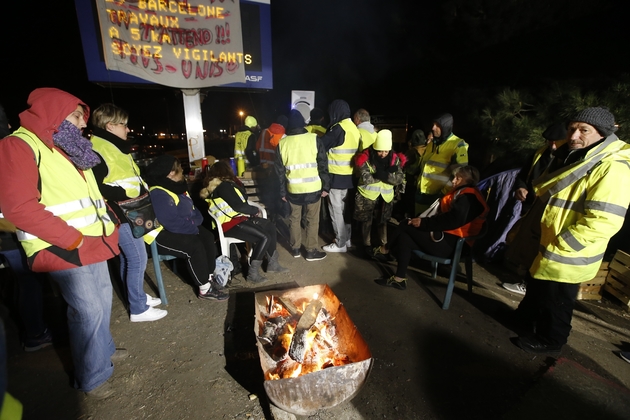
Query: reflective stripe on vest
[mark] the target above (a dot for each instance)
(122, 171)
(340, 157)
(150, 237)
(436, 170)
(299, 156)
(266, 151)
(372, 191)
(221, 209)
(79, 202)
(240, 144)
(585, 207)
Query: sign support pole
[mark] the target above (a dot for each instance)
(194, 124)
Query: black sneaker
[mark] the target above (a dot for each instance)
(379, 256)
(214, 294)
(315, 255)
(39, 342)
(392, 282)
(296, 252)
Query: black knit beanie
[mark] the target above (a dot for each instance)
(159, 169)
(600, 118)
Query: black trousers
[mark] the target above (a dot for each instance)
(549, 306)
(198, 250)
(407, 238)
(259, 232)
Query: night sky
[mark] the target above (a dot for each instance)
(396, 58)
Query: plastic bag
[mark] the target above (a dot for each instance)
(222, 271)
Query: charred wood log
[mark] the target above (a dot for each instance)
(299, 343)
(271, 330)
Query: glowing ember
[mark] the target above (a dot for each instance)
(300, 336)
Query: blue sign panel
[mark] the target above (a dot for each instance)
(256, 29)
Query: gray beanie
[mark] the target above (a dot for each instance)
(600, 118)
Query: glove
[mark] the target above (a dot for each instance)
(381, 174)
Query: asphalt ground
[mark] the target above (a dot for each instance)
(200, 361)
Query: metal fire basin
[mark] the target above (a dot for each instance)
(326, 388)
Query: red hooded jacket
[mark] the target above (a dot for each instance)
(19, 193)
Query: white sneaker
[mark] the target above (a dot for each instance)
(334, 248)
(151, 314)
(348, 243)
(153, 301)
(518, 288)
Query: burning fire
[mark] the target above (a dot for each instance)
(300, 336)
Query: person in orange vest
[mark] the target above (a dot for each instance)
(461, 214)
(268, 141)
(269, 184)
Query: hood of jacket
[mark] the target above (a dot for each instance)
(366, 125)
(338, 110)
(445, 121)
(212, 185)
(48, 108)
(276, 128)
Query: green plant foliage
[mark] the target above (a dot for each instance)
(513, 121)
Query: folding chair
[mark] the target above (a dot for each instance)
(226, 241)
(156, 257)
(454, 262)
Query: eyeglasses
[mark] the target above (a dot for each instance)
(123, 124)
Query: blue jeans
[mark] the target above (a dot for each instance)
(30, 295)
(88, 293)
(133, 262)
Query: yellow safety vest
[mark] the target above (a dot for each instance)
(240, 144)
(340, 157)
(150, 237)
(436, 171)
(539, 154)
(11, 408)
(299, 156)
(122, 171)
(221, 209)
(372, 191)
(317, 129)
(586, 205)
(66, 194)
(367, 139)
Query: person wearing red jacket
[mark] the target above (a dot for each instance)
(49, 193)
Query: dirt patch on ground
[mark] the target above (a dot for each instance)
(200, 362)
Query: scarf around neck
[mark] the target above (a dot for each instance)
(79, 149)
(178, 188)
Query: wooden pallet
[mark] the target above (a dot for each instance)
(592, 289)
(618, 279)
